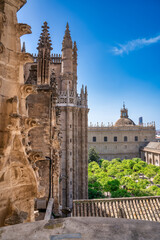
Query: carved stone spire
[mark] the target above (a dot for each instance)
(74, 58)
(43, 60)
(67, 41)
(75, 53)
(23, 47)
(45, 41)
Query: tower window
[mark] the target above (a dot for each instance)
(105, 139)
(125, 139)
(94, 139)
(115, 139)
(136, 138)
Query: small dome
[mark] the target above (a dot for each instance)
(124, 122)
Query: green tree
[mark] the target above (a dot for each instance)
(120, 193)
(93, 156)
(95, 189)
(105, 165)
(94, 167)
(156, 179)
(142, 183)
(112, 186)
(135, 176)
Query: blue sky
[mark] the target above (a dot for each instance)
(118, 51)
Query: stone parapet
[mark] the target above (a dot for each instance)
(71, 98)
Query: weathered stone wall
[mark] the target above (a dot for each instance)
(39, 107)
(18, 174)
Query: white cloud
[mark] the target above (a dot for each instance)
(134, 44)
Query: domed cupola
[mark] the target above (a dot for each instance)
(124, 120)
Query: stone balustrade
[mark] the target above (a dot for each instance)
(111, 125)
(138, 208)
(71, 98)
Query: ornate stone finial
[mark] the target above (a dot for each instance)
(82, 90)
(67, 41)
(86, 92)
(24, 47)
(45, 41)
(75, 53)
(124, 105)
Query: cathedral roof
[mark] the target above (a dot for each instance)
(124, 119)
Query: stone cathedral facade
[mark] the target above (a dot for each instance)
(49, 69)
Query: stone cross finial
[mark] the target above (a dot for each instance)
(124, 105)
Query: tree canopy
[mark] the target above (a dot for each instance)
(93, 156)
(121, 178)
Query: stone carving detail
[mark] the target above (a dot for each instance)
(25, 57)
(28, 89)
(30, 123)
(19, 180)
(35, 156)
(23, 29)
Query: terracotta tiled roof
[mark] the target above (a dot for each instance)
(138, 208)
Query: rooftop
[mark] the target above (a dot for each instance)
(138, 208)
